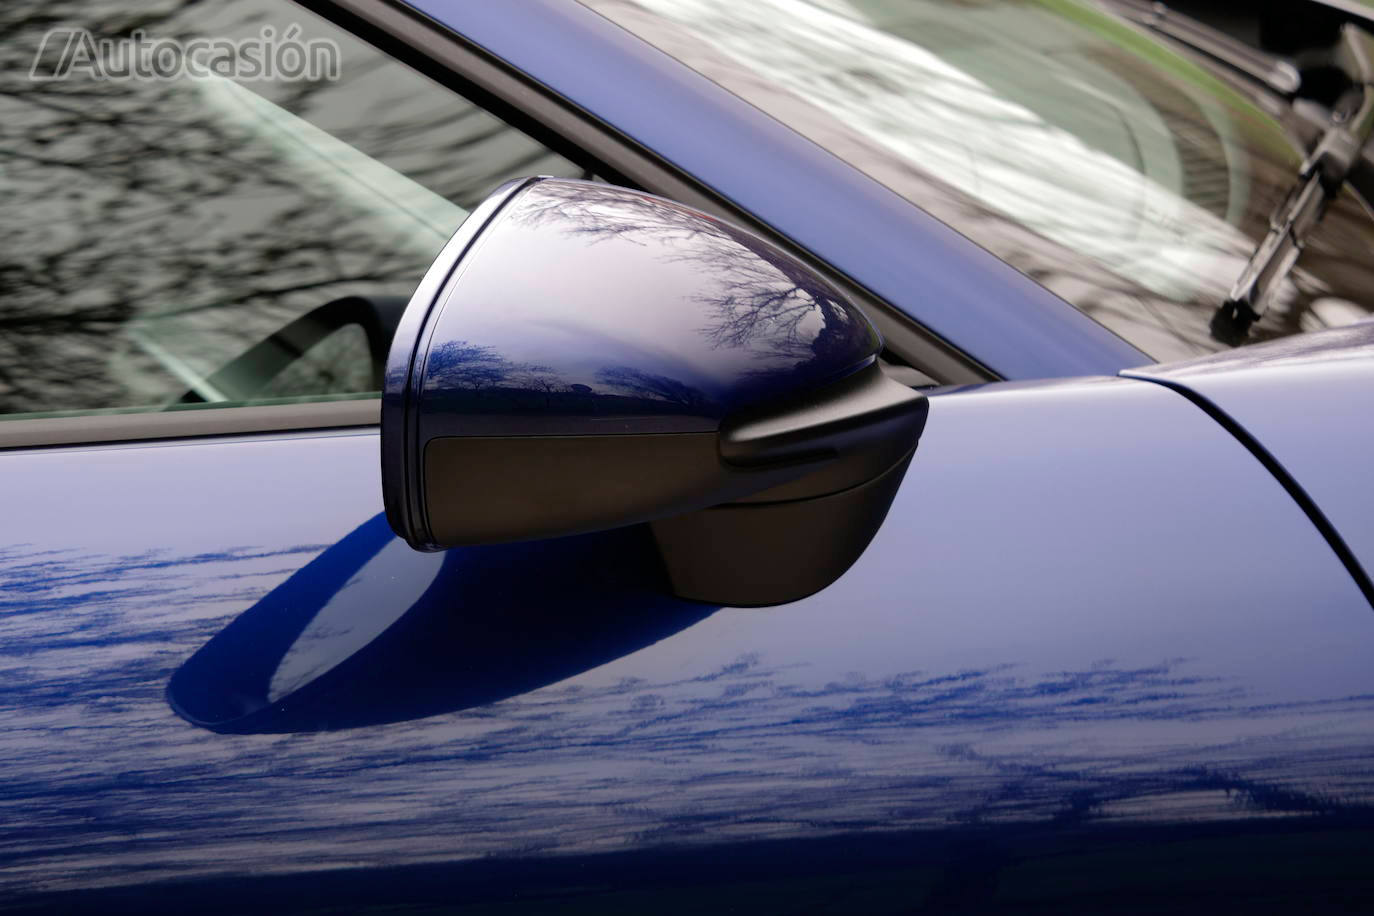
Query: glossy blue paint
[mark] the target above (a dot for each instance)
(574, 308)
(620, 312)
(400, 388)
(964, 294)
(371, 632)
(1131, 675)
(1308, 401)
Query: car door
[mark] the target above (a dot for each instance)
(237, 690)
(228, 687)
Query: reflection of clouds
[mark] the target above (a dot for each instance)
(102, 777)
(1111, 187)
(669, 311)
(757, 298)
(1134, 185)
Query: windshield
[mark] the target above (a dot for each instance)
(1122, 176)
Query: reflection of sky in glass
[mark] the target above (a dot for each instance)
(1127, 179)
(1103, 178)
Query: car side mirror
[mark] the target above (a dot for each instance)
(581, 357)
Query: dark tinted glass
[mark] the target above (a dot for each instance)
(156, 228)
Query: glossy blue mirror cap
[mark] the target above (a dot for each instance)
(567, 307)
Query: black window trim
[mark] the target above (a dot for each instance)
(156, 425)
(465, 68)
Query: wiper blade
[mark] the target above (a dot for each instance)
(1322, 176)
(1280, 76)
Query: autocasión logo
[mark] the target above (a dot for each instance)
(285, 55)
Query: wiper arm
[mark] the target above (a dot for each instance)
(1323, 174)
(1280, 76)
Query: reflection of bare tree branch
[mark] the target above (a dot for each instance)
(459, 364)
(980, 115)
(759, 297)
(810, 752)
(649, 385)
(134, 200)
(541, 378)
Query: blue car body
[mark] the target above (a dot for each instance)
(1109, 651)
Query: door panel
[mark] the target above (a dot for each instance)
(1067, 673)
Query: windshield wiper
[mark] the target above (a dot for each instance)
(1279, 75)
(1322, 176)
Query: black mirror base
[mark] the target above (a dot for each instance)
(760, 554)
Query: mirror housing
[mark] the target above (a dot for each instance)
(582, 357)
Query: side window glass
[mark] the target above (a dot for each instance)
(179, 231)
